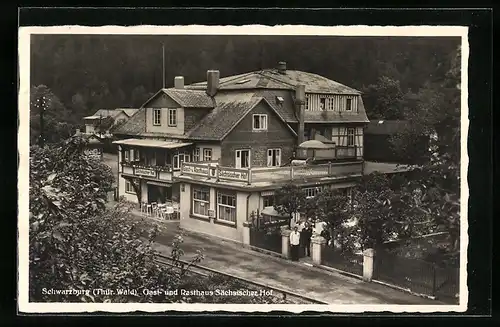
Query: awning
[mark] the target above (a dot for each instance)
(152, 143)
(158, 184)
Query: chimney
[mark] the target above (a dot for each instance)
(300, 96)
(212, 82)
(282, 67)
(179, 82)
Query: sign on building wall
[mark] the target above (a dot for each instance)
(233, 175)
(145, 172)
(193, 170)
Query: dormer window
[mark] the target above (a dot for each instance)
(259, 122)
(348, 105)
(172, 117)
(157, 117)
(280, 100)
(322, 103)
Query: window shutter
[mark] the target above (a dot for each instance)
(126, 155)
(278, 159)
(269, 157)
(264, 122)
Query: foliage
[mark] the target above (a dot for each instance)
(289, 200)
(78, 243)
(104, 125)
(333, 208)
(57, 122)
(384, 99)
(372, 210)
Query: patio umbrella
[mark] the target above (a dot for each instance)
(314, 145)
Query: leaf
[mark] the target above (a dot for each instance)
(58, 236)
(51, 177)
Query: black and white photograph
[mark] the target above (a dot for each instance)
(208, 168)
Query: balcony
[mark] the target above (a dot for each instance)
(336, 153)
(160, 173)
(212, 172)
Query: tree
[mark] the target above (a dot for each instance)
(373, 211)
(56, 118)
(104, 125)
(77, 244)
(383, 99)
(289, 200)
(333, 208)
(436, 115)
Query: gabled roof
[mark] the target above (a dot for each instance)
(186, 98)
(272, 79)
(230, 110)
(135, 125)
(128, 111)
(386, 127)
(286, 110)
(108, 113)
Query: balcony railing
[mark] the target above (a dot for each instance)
(272, 175)
(336, 153)
(162, 173)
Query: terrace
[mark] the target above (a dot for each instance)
(213, 173)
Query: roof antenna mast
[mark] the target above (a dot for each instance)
(163, 63)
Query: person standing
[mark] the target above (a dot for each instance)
(295, 243)
(307, 231)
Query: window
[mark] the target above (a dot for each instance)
(172, 117)
(128, 187)
(322, 103)
(226, 207)
(348, 105)
(201, 201)
(242, 158)
(207, 154)
(175, 162)
(331, 104)
(306, 105)
(178, 159)
(268, 201)
(350, 137)
(157, 117)
(196, 154)
(131, 155)
(312, 191)
(259, 122)
(274, 157)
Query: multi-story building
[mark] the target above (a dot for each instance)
(221, 147)
(119, 115)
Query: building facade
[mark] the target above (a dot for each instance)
(220, 148)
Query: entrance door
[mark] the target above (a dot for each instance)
(242, 159)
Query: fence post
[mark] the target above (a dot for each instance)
(249, 177)
(209, 171)
(368, 255)
(217, 173)
(285, 242)
(246, 233)
(317, 244)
